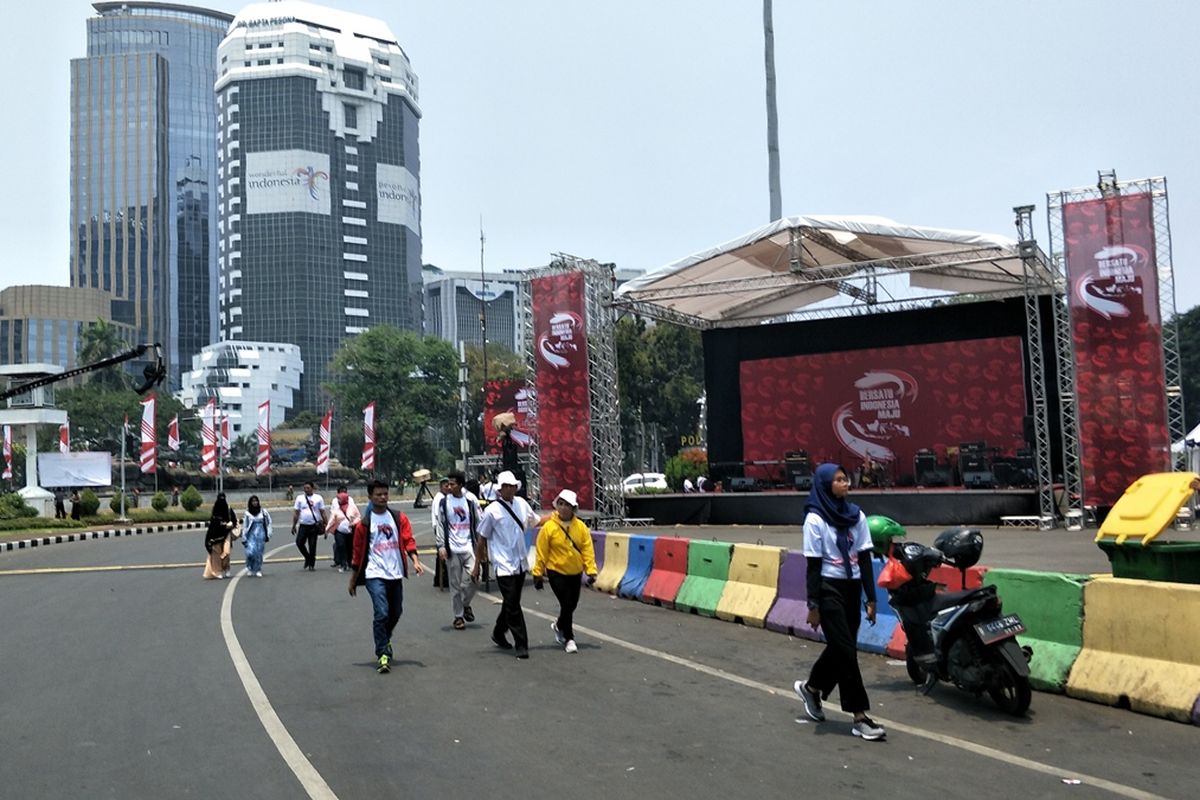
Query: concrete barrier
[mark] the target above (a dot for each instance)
(708, 569)
(641, 560)
(668, 571)
(789, 614)
(1140, 646)
(598, 538)
(876, 638)
(1051, 606)
(752, 586)
(616, 560)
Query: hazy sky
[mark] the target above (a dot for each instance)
(632, 131)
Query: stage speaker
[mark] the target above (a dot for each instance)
(925, 467)
(742, 484)
(803, 482)
(978, 479)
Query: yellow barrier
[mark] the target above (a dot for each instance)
(1140, 642)
(616, 561)
(753, 584)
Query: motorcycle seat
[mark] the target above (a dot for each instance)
(946, 600)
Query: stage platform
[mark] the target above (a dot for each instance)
(907, 506)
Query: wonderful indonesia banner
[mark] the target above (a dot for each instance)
(884, 403)
(563, 420)
(1117, 333)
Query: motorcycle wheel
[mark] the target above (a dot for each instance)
(1012, 693)
(916, 672)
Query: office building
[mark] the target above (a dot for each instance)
(318, 199)
(240, 376)
(455, 304)
(46, 324)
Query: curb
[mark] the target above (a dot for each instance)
(110, 533)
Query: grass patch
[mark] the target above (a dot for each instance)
(21, 527)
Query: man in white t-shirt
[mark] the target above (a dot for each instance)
(439, 566)
(502, 533)
(455, 528)
(309, 518)
(383, 551)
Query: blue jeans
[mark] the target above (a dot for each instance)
(387, 600)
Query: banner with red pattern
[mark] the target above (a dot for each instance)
(1117, 333)
(511, 396)
(564, 418)
(884, 404)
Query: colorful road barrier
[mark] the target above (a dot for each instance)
(669, 569)
(752, 586)
(708, 569)
(616, 560)
(1051, 606)
(789, 614)
(641, 561)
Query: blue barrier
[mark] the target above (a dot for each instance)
(641, 561)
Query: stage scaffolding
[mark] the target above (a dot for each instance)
(604, 406)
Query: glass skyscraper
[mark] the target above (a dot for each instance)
(143, 150)
(318, 198)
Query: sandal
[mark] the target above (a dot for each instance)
(459, 624)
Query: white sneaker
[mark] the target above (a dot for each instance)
(258, 574)
(220, 577)
(571, 648)
(558, 637)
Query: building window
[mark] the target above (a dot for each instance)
(353, 78)
(264, 62)
(351, 116)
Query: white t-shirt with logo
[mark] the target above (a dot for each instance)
(458, 522)
(384, 559)
(506, 538)
(310, 516)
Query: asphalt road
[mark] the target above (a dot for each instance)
(121, 679)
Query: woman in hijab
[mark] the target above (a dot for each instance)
(256, 532)
(222, 525)
(837, 546)
(342, 518)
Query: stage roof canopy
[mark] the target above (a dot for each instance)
(790, 268)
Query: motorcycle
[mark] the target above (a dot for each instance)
(964, 638)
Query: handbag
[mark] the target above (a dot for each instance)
(894, 574)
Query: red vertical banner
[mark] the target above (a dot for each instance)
(149, 436)
(8, 473)
(512, 397)
(564, 418)
(208, 436)
(262, 464)
(325, 435)
(368, 453)
(1117, 334)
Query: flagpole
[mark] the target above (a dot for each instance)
(220, 426)
(124, 435)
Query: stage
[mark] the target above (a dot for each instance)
(954, 506)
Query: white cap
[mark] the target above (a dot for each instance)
(506, 478)
(569, 496)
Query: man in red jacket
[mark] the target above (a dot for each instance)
(382, 551)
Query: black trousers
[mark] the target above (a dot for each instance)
(838, 663)
(566, 588)
(306, 543)
(512, 618)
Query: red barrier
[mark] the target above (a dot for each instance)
(669, 570)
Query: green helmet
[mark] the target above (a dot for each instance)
(883, 530)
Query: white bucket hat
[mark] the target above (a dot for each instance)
(506, 478)
(568, 496)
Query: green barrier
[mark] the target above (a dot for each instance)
(1051, 606)
(708, 569)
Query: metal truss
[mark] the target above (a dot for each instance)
(1172, 367)
(1064, 354)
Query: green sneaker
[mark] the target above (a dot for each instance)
(384, 664)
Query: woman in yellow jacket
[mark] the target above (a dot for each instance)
(564, 553)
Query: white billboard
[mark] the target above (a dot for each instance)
(399, 196)
(73, 469)
(287, 180)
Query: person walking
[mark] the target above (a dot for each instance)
(455, 532)
(383, 550)
(76, 509)
(343, 516)
(222, 529)
(309, 517)
(440, 580)
(564, 554)
(256, 532)
(502, 538)
(837, 546)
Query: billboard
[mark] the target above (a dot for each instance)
(1117, 335)
(287, 180)
(398, 196)
(884, 404)
(70, 470)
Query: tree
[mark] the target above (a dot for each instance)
(1188, 324)
(96, 414)
(413, 381)
(103, 340)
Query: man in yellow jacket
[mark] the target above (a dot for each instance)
(564, 554)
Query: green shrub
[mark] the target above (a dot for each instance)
(12, 506)
(159, 502)
(25, 524)
(190, 499)
(115, 503)
(89, 503)
(690, 463)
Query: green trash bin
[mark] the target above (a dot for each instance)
(1177, 562)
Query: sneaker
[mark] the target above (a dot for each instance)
(571, 648)
(468, 614)
(868, 729)
(384, 664)
(501, 642)
(522, 652)
(220, 577)
(558, 637)
(258, 574)
(811, 700)
(459, 624)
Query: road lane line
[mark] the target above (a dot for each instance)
(293, 756)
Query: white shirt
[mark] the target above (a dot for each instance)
(820, 541)
(436, 509)
(384, 559)
(506, 539)
(306, 514)
(458, 518)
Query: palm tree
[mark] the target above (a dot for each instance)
(103, 340)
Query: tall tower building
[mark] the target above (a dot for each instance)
(319, 193)
(143, 148)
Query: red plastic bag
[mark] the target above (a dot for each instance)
(894, 575)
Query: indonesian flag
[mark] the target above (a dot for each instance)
(263, 465)
(149, 454)
(323, 447)
(64, 437)
(208, 439)
(7, 474)
(173, 433)
(368, 454)
(225, 434)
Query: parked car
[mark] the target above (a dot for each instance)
(639, 481)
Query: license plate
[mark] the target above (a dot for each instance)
(997, 629)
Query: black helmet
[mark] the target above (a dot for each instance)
(917, 558)
(961, 546)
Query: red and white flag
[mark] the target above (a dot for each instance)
(263, 465)
(173, 433)
(7, 475)
(208, 438)
(225, 434)
(64, 437)
(368, 454)
(149, 454)
(323, 447)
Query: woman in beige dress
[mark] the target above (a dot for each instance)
(218, 539)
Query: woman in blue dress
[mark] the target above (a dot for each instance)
(256, 532)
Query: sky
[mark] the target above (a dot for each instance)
(634, 131)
